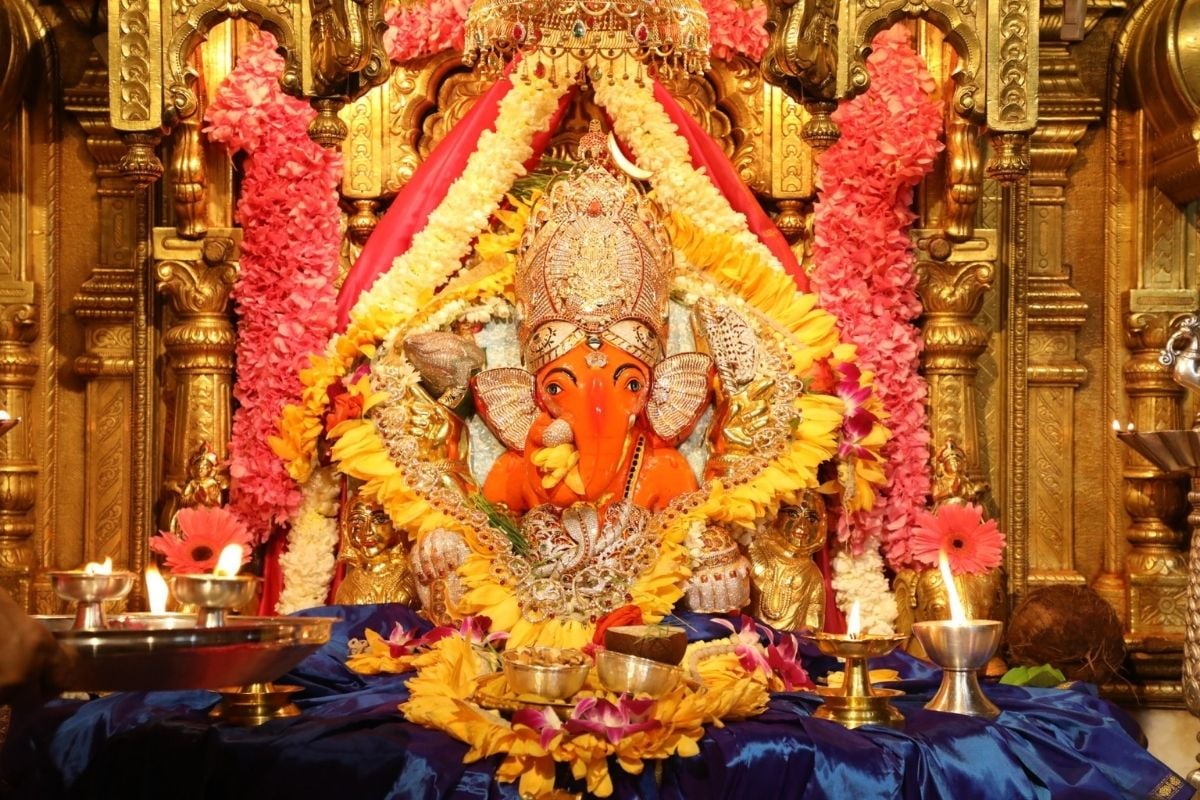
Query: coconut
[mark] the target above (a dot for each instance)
(1071, 628)
(662, 643)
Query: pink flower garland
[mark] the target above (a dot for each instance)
(864, 269)
(434, 26)
(288, 210)
(425, 29)
(733, 29)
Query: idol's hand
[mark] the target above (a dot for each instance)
(437, 555)
(31, 662)
(747, 413)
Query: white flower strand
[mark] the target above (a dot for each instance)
(309, 562)
(640, 120)
(499, 159)
(861, 578)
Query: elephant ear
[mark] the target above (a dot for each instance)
(679, 394)
(504, 398)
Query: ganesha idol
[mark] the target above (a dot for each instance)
(635, 430)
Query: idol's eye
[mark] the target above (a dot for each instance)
(553, 389)
(634, 385)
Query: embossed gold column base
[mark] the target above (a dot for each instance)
(253, 705)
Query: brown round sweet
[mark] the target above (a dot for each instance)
(661, 643)
(1071, 628)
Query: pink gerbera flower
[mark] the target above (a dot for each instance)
(972, 545)
(203, 533)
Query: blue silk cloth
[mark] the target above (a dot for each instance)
(351, 741)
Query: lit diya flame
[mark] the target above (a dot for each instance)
(92, 568)
(156, 590)
(854, 622)
(957, 615)
(4, 415)
(229, 562)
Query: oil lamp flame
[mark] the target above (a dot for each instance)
(957, 615)
(229, 562)
(854, 622)
(1116, 425)
(92, 568)
(156, 590)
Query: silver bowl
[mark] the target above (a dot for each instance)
(89, 591)
(213, 595)
(961, 649)
(620, 672)
(549, 681)
(145, 652)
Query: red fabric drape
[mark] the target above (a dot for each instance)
(708, 155)
(426, 190)
(272, 583)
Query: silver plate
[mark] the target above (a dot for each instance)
(145, 652)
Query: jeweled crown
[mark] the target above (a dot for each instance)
(595, 265)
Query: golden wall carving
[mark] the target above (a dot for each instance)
(110, 307)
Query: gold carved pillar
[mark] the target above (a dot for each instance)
(19, 318)
(953, 282)
(110, 306)
(1056, 313)
(1156, 564)
(197, 277)
(772, 155)
(18, 468)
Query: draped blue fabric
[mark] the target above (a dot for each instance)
(352, 742)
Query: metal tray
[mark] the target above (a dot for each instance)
(144, 652)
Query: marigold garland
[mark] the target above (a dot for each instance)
(284, 296)
(442, 695)
(864, 275)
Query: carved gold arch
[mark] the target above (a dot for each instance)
(961, 29)
(190, 23)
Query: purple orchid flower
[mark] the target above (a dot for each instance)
(474, 629)
(612, 722)
(403, 642)
(543, 720)
(783, 656)
(858, 421)
(748, 646)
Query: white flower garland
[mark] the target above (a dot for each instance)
(309, 562)
(860, 578)
(640, 120)
(499, 159)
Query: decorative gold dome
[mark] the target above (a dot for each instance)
(605, 38)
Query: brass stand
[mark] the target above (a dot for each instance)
(856, 703)
(255, 704)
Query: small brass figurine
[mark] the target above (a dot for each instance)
(205, 484)
(377, 569)
(787, 589)
(951, 483)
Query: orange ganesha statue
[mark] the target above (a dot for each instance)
(586, 422)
